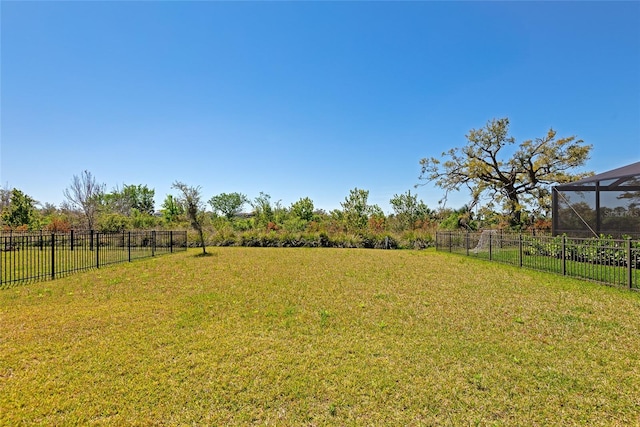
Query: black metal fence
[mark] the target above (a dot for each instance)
(610, 261)
(33, 256)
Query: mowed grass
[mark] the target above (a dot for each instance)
(289, 337)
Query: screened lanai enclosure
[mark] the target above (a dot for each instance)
(604, 204)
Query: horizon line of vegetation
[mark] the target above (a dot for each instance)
(519, 186)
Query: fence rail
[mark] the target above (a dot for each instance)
(610, 261)
(35, 256)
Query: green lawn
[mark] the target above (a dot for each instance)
(33, 263)
(289, 337)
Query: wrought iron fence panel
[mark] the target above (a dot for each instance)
(34, 256)
(610, 261)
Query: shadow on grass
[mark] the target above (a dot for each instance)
(204, 255)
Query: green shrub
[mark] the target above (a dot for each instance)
(113, 223)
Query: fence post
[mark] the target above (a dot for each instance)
(153, 242)
(564, 255)
(129, 245)
(91, 240)
(41, 241)
(97, 248)
(170, 241)
(450, 241)
(466, 243)
(630, 263)
(53, 256)
(520, 249)
(490, 248)
(72, 240)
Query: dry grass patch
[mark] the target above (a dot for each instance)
(254, 336)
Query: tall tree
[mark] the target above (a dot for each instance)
(228, 204)
(520, 180)
(303, 209)
(171, 208)
(116, 202)
(141, 198)
(21, 210)
(85, 194)
(130, 197)
(193, 206)
(408, 209)
(356, 210)
(263, 209)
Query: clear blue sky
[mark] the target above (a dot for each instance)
(302, 99)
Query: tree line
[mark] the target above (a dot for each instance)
(508, 192)
(88, 206)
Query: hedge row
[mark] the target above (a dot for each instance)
(315, 240)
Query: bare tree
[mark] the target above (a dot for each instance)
(5, 197)
(85, 194)
(190, 199)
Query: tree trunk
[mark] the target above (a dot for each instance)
(515, 212)
(201, 233)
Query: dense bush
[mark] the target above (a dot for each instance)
(226, 236)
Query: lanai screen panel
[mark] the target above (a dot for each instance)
(608, 203)
(575, 213)
(620, 210)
